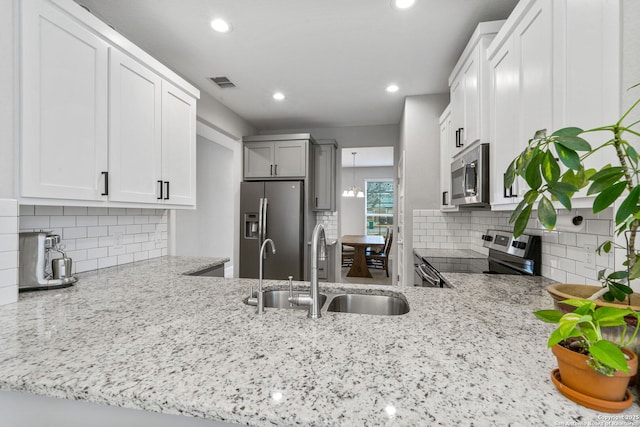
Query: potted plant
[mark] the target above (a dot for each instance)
(539, 165)
(593, 371)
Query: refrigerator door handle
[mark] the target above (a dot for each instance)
(260, 229)
(264, 222)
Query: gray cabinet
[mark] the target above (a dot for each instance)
(275, 159)
(324, 176)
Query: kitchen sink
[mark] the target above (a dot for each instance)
(279, 299)
(348, 302)
(381, 305)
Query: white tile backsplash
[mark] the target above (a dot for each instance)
(330, 222)
(563, 252)
(8, 251)
(99, 237)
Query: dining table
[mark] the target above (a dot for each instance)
(360, 243)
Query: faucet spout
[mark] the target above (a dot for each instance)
(260, 305)
(317, 239)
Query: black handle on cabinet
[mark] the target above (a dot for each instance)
(167, 196)
(106, 183)
(160, 182)
(271, 170)
(460, 144)
(444, 198)
(276, 170)
(316, 202)
(507, 192)
(457, 139)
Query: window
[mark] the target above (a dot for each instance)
(379, 206)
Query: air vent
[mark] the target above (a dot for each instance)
(223, 82)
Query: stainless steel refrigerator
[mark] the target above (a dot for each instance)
(272, 210)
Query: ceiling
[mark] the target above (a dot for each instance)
(332, 59)
(367, 157)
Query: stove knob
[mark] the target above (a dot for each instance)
(514, 244)
(487, 238)
(522, 245)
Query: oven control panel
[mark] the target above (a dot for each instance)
(503, 241)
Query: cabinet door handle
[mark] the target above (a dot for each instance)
(106, 183)
(160, 182)
(316, 202)
(167, 195)
(457, 143)
(444, 198)
(460, 130)
(271, 170)
(276, 170)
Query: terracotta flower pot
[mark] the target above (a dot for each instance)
(562, 291)
(579, 376)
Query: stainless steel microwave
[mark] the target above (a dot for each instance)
(470, 178)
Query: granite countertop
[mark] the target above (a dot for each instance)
(146, 336)
(449, 253)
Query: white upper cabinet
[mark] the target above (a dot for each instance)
(446, 147)
(64, 106)
(470, 85)
(178, 146)
(554, 64)
(135, 141)
(102, 123)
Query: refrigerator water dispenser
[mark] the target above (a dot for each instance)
(251, 226)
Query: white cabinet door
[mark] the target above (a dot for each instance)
(534, 52)
(446, 137)
(587, 57)
(258, 159)
(64, 106)
(135, 144)
(471, 127)
(457, 114)
(504, 123)
(178, 146)
(290, 159)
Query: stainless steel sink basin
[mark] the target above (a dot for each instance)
(279, 299)
(382, 305)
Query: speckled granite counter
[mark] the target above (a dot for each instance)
(145, 336)
(449, 253)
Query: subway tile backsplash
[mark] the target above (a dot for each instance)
(8, 251)
(101, 237)
(564, 257)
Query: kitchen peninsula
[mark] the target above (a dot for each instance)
(147, 336)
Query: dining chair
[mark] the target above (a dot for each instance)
(381, 260)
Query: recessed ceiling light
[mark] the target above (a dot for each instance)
(403, 4)
(278, 96)
(220, 25)
(392, 88)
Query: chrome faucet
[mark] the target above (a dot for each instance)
(259, 301)
(313, 299)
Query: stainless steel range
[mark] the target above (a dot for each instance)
(507, 255)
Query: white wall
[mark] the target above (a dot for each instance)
(420, 139)
(352, 218)
(221, 118)
(207, 230)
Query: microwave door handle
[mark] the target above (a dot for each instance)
(471, 190)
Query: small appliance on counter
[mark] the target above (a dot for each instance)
(38, 269)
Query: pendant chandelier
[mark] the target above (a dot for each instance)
(353, 191)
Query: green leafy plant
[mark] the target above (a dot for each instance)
(582, 328)
(540, 166)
